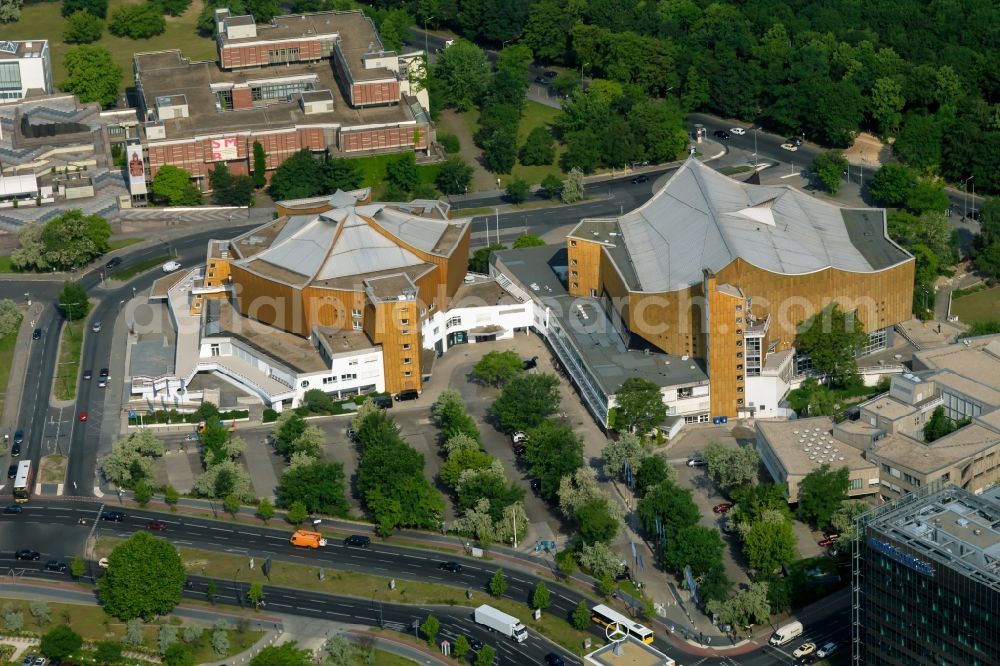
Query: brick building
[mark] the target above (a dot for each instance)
(321, 82)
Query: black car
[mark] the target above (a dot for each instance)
(15, 450)
(113, 516)
(358, 541)
(28, 554)
(722, 134)
(104, 373)
(519, 449)
(56, 565)
(973, 215)
(541, 80)
(13, 508)
(19, 437)
(382, 401)
(639, 179)
(475, 644)
(409, 394)
(37, 335)
(795, 141)
(552, 659)
(550, 74)
(453, 567)
(87, 374)
(12, 471)
(114, 263)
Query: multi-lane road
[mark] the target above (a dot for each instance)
(53, 528)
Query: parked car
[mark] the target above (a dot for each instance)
(453, 567)
(13, 509)
(103, 563)
(56, 565)
(27, 554)
(722, 134)
(639, 179)
(738, 131)
(12, 471)
(382, 401)
(827, 542)
(550, 74)
(115, 262)
(552, 659)
(475, 644)
(171, 266)
(518, 437)
(625, 574)
(519, 449)
(804, 650)
(37, 335)
(541, 80)
(357, 541)
(15, 450)
(795, 141)
(722, 508)
(789, 147)
(156, 525)
(826, 650)
(28, 660)
(113, 516)
(409, 394)
(696, 461)
(19, 436)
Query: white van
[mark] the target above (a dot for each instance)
(786, 633)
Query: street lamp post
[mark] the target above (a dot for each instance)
(427, 54)
(754, 147)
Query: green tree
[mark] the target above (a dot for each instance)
(265, 509)
(639, 406)
(658, 128)
(540, 597)
(518, 190)
(82, 27)
(652, 471)
(393, 27)
(60, 642)
(402, 172)
(286, 654)
(454, 176)
(580, 617)
(527, 240)
(230, 190)
(731, 467)
(526, 401)
(822, 492)
(886, 103)
(498, 584)
(98, 8)
(68, 240)
(668, 506)
(174, 7)
(319, 485)
(500, 150)
(572, 187)
(498, 368)
(552, 452)
(145, 578)
(596, 521)
(461, 460)
(108, 653)
(939, 425)
(255, 594)
(461, 75)
(551, 185)
(92, 75)
(341, 174)
(77, 567)
(430, 628)
(137, 21)
(462, 647)
(171, 496)
(178, 654)
(172, 186)
(927, 195)
(829, 167)
(695, 546)
(297, 512)
(73, 301)
(480, 261)
(831, 339)
(143, 493)
(231, 504)
(629, 451)
(298, 177)
(485, 657)
(539, 148)
(893, 184)
(769, 545)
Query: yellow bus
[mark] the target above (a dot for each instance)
(605, 616)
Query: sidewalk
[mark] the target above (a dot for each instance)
(18, 371)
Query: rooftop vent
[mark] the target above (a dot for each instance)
(962, 522)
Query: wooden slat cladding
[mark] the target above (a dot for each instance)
(725, 350)
(584, 267)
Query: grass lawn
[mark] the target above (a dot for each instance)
(44, 20)
(5, 265)
(93, 624)
(6, 358)
(141, 267)
(52, 469)
(124, 242)
(979, 306)
(68, 369)
(374, 168)
(299, 576)
(536, 115)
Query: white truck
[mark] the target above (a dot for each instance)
(786, 633)
(496, 620)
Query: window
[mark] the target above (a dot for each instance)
(572, 262)
(356, 325)
(407, 373)
(406, 346)
(405, 331)
(10, 76)
(329, 380)
(855, 484)
(407, 360)
(349, 376)
(454, 321)
(404, 322)
(305, 383)
(576, 285)
(355, 313)
(215, 350)
(576, 273)
(572, 243)
(353, 361)
(224, 99)
(946, 477)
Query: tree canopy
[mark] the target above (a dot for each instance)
(286, 654)
(461, 75)
(731, 466)
(82, 27)
(832, 338)
(319, 485)
(497, 368)
(60, 642)
(137, 21)
(526, 401)
(68, 240)
(822, 492)
(639, 406)
(173, 186)
(92, 75)
(304, 175)
(552, 452)
(145, 578)
(98, 8)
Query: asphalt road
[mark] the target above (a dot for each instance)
(53, 528)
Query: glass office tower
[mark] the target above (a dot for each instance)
(926, 580)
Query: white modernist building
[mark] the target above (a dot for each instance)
(24, 66)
